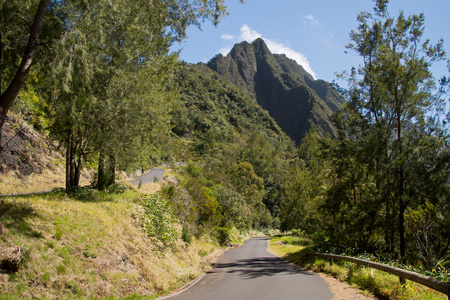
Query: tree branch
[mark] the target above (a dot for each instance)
(8, 97)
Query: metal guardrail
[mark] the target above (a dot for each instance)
(440, 286)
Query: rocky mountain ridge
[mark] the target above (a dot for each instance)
(281, 86)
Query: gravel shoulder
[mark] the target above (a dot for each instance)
(344, 291)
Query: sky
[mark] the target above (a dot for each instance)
(312, 32)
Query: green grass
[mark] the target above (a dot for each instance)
(381, 284)
(91, 245)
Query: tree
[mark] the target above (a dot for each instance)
(105, 46)
(148, 28)
(11, 41)
(387, 118)
(302, 187)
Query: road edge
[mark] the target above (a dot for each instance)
(195, 281)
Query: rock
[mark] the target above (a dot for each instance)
(11, 259)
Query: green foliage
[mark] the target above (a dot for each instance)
(118, 188)
(295, 240)
(298, 205)
(105, 75)
(304, 187)
(233, 207)
(298, 233)
(383, 161)
(158, 219)
(58, 235)
(61, 269)
(31, 106)
(193, 170)
(383, 184)
(186, 235)
(184, 207)
(205, 203)
(247, 182)
(215, 112)
(85, 193)
(223, 235)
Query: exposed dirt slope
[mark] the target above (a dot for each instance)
(30, 161)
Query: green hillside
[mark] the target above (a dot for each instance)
(212, 110)
(293, 98)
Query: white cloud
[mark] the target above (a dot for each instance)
(300, 58)
(227, 37)
(225, 50)
(249, 35)
(310, 18)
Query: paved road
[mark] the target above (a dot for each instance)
(250, 272)
(150, 176)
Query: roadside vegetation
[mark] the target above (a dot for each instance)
(90, 244)
(294, 247)
(381, 188)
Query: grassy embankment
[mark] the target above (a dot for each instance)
(93, 246)
(378, 283)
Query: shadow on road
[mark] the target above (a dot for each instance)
(258, 267)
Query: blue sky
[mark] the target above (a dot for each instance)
(313, 32)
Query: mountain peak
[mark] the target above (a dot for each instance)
(281, 86)
(259, 42)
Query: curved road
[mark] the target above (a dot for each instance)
(150, 176)
(250, 272)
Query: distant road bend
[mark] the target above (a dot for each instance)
(250, 272)
(154, 174)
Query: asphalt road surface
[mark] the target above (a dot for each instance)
(150, 176)
(250, 272)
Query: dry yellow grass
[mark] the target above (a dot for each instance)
(148, 188)
(13, 183)
(92, 249)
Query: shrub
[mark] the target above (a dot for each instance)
(185, 235)
(118, 188)
(223, 235)
(159, 220)
(298, 232)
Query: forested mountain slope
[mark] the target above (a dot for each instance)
(291, 95)
(213, 110)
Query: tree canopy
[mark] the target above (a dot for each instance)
(390, 162)
(144, 28)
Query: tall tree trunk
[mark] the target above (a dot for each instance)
(401, 192)
(106, 170)
(112, 170)
(401, 216)
(8, 97)
(68, 151)
(101, 184)
(78, 166)
(74, 160)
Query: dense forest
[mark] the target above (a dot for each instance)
(365, 170)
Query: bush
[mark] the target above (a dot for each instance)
(85, 193)
(159, 220)
(298, 232)
(186, 236)
(118, 188)
(223, 235)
